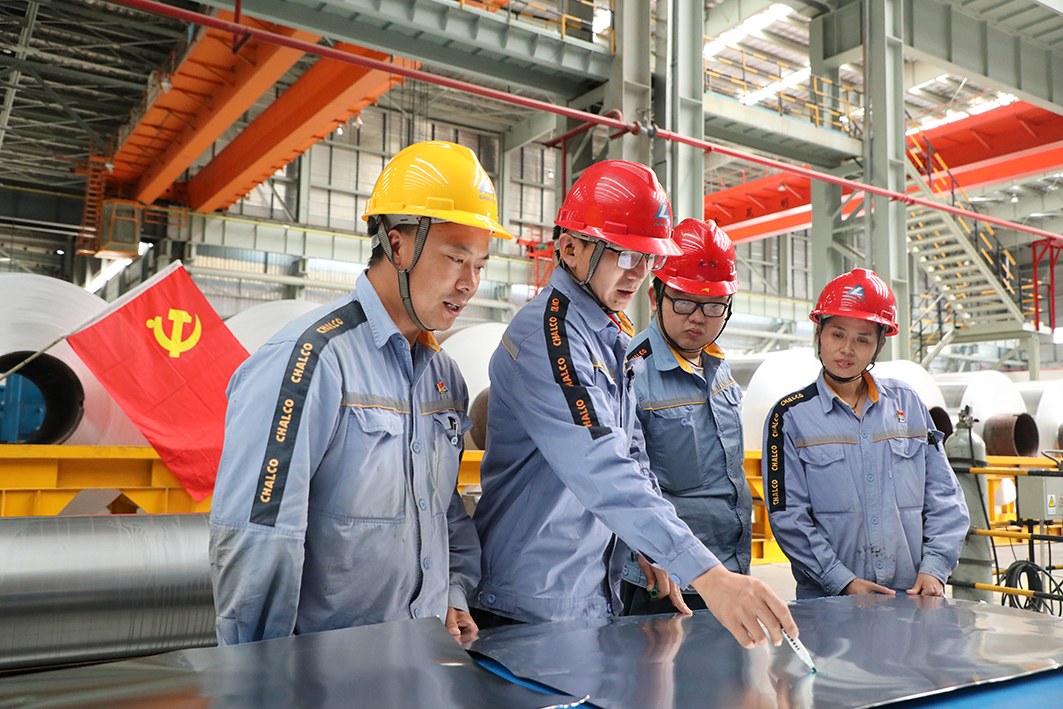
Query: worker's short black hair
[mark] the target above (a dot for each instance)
(378, 250)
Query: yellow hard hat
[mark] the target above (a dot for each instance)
(440, 180)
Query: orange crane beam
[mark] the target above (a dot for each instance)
(326, 96)
(973, 176)
(994, 147)
(204, 96)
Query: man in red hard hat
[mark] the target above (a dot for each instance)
(566, 484)
(689, 406)
(861, 497)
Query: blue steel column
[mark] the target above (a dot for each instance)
(629, 89)
(826, 198)
(679, 104)
(884, 155)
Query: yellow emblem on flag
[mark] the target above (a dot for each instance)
(176, 344)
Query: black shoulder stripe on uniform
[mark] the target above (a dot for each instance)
(577, 396)
(643, 349)
(776, 478)
(289, 410)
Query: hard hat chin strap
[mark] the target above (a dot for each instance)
(658, 291)
(403, 274)
(846, 380)
(592, 266)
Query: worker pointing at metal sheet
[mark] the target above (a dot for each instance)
(689, 406)
(566, 483)
(860, 494)
(336, 502)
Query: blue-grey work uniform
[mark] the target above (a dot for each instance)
(564, 468)
(692, 422)
(336, 502)
(870, 497)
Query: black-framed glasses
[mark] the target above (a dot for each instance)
(712, 309)
(627, 259)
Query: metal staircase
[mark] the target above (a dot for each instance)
(87, 243)
(975, 293)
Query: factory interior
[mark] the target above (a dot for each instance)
(237, 143)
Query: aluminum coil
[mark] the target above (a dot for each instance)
(255, 325)
(915, 375)
(81, 589)
(472, 347)
(781, 373)
(1044, 401)
(991, 395)
(78, 411)
(743, 367)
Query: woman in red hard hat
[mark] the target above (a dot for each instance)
(860, 494)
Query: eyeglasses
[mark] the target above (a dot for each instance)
(627, 259)
(712, 309)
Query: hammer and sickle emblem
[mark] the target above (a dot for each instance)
(176, 344)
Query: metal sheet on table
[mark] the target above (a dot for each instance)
(869, 650)
(412, 663)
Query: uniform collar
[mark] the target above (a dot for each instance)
(659, 344)
(827, 395)
(587, 308)
(380, 323)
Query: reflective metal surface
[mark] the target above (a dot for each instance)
(75, 589)
(869, 650)
(413, 663)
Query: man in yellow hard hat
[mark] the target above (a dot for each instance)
(335, 503)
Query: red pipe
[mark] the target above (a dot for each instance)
(554, 142)
(1041, 249)
(575, 114)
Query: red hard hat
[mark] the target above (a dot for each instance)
(622, 203)
(860, 294)
(707, 265)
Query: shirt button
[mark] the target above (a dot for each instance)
(863, 435)
(422, 503)
(870, 477)
(416, 447)
(878, 564)
(426, 563)
(625, 571)
(453, 440)
(490, 598)
(874, 520)
(683, 421)
(416, 612)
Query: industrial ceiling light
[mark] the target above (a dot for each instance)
(1014, 199)
(755, 23)
(939, 79)
(776, 87)
(603, 20)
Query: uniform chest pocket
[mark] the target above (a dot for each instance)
(727, 410)
(378, 421)
(908, 470)
(673, 444)
(447, 436)
(374, 487)
(830, 481)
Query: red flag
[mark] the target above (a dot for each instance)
(166, 357)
